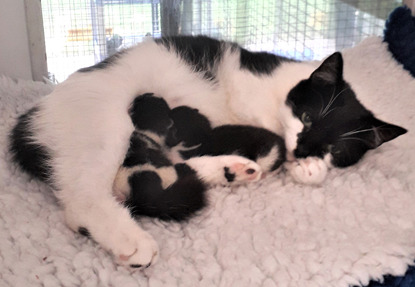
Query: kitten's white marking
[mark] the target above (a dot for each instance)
(174, 153)
(211, 169)
(122, 188)
(267, 161)
(153, 137)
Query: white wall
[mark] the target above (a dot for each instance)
(14, 45)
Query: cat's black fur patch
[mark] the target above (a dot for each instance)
(230, 177)
(334, 120)
(109, 61)
(203, 53)
(200, 52)
(31, 157)
(84, 231)
(260, 62)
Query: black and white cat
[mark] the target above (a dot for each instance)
(76, 138)
(175, 154)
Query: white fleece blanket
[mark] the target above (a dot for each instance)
(358, 225)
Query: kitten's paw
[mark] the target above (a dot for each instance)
(310, 170)
(225, 169)
(241, 170)
(135, 250)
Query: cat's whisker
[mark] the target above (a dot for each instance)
(357, 139)
(321, 100)
(323, 116)
(329, 103)
(332, 100)
(356, 132)
(355, 129)
(322, 104)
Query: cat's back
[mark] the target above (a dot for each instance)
(216, 77)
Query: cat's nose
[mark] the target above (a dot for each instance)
(301, 151)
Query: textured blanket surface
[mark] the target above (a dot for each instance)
(357, 226)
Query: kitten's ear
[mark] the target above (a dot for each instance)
(330, 71)
(384, 132)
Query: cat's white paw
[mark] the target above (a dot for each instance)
(110, 225)
(135, 249)
(239, 170)
(310, 170)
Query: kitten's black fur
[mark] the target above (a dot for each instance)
(147, 196)
(251, 142)
(186, 126)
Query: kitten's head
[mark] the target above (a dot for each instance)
(149, 113)
(193, 128)
(333, 121)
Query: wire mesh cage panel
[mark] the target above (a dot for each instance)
(79, 33)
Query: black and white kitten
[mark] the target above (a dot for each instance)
(77, 137)
(154, 183)
(198, 138)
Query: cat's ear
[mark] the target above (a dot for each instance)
(330, 71)
(384, 132)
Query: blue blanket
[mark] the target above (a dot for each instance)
(397, 281)
(399, 33)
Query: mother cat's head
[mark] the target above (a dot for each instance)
(329, 122)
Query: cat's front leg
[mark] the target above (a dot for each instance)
(310, 170)
(225, 169)
(110, 224)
